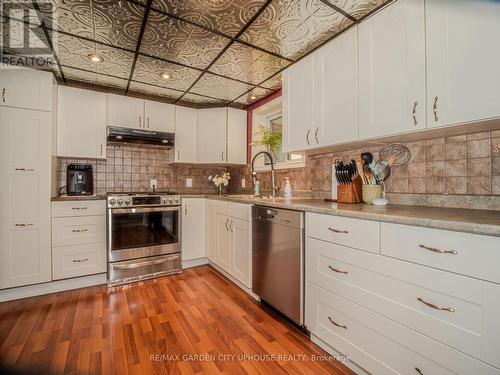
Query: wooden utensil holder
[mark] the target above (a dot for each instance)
(350, 193)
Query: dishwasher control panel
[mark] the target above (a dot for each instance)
(278, 216)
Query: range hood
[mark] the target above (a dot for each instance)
(143, 137)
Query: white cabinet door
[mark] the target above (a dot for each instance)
(299, 105)
(236, 136)
(463, 59)
(125, 112)
(25, 168)
(240, 249)
(392, 92)
(193, 228)
(186, 134)
(339, 89)
(211, 229)
(159, 116)
(25, 88)
(81, 123)
(223, 259)
(212, 135)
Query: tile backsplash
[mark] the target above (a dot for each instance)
(129, 168)
(465, 164)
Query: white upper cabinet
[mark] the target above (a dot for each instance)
(186, 120)
(193, 228)
(159, 116)
(25, 88)
(392, 92)
(125, 112)
(463, 60)
(338, 83)
(81, 123)
(236, 136)
(212, 135)
(299, 105)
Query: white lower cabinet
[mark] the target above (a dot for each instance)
(394, 316)
(78, 238)
(193, 228)
(228, 238)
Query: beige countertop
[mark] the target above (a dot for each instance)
(64, 198)
(485, 222)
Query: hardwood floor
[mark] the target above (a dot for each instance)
(132, 329)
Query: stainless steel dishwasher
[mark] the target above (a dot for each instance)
(278, 260)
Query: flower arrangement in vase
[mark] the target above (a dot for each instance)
(221, 181)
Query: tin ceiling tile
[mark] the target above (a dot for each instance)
(219, 87)
(290, 28)
(178, 41)
(74, 52)
(76, 75)
(247, 64)
(149, 70)
(358, 8)
(198, 99)
(154, 90)
(253, 96)
(273, 83)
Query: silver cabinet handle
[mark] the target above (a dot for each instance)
(227, 221)
(435, 109)
(25, 225)
(337, 230)
(178, 155)
(79, 208)
(436, 250)
(414, 114)
(337, 270)
(185, 209)
(80, 260)
(231, 226)
(3, 94)
(101, 150)
(140, 121)
(25, 169)
(336, 324)
(316, 135)
(148, 122)
(79, 230)
(222, 156)
(435, 307)
(307, 137)
(419, 371)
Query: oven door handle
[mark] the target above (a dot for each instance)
(134, 210)
(141, 264)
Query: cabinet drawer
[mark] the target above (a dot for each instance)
(241, 211)
(463, 253)
(378, 344)
(78, 260)
(360, 234)
(222, 208)
(78, 208)
(78, 230)
(392, 288)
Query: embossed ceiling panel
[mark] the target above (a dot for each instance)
(178, 41)
(76, 75)
(358, 8)
(254, 96)
(290, 28)
(219, 87)
(155, 90)
(74, 52)
(108, 21)
(273, 83)
(248, 64)
(149, 70)
(198, 99)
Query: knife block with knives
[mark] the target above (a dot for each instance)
(350, 185)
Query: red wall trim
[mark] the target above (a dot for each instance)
(250, 110)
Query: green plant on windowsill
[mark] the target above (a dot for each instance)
(272, 141)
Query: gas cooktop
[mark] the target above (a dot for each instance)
(138, 199)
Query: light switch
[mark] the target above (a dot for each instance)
(189, 182)
(243, 183)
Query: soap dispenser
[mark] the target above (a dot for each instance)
(287, 191)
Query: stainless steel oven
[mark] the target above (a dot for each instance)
(143, 235)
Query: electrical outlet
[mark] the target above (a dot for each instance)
(243, 183)
(153, 183)
(189, 182)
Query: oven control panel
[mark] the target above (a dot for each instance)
(123, 200)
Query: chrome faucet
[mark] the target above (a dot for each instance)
(274, 188)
